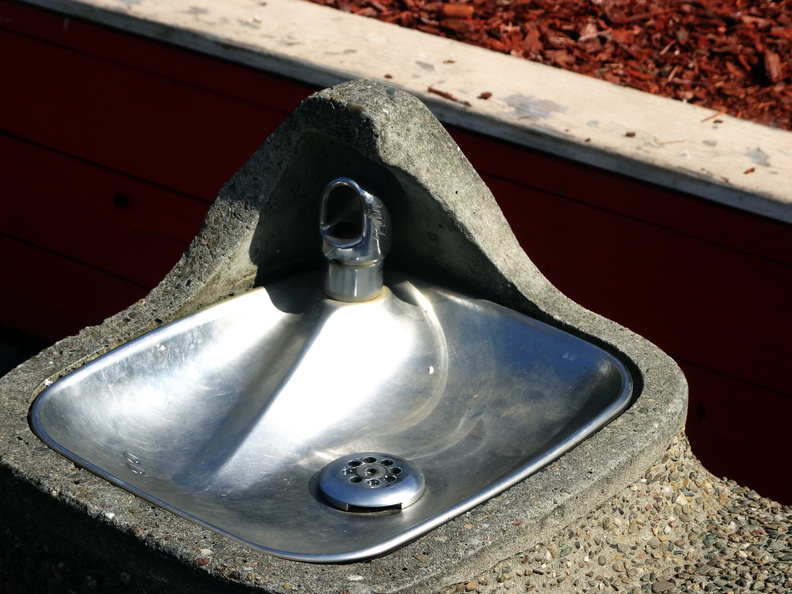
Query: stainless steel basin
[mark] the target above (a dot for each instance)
(229, 416)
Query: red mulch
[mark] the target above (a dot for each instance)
(731, 56)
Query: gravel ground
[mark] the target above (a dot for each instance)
(678, 529)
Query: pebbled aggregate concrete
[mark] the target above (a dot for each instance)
(447, 227)
(676, 529)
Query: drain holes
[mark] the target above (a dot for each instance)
(371, 481)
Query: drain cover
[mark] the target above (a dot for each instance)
(371, 481)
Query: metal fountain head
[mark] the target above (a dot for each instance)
(356, 237)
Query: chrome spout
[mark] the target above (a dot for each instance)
(356, 237)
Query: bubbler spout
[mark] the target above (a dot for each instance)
(356, 237)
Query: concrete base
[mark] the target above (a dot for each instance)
(447, 227)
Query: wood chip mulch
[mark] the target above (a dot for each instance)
(733, 57)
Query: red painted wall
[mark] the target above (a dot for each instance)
(112, 147)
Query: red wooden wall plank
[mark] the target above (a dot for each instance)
(52, 297)
(606, 190)
(740, 430)
(143, 54)
(102, 112)
(91, 215)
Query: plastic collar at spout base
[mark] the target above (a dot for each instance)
(353, 283)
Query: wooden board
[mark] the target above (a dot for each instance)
(51, 296)
(96, 217)
(84, 105)
(670, 143)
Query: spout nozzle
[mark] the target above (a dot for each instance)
(356, 237)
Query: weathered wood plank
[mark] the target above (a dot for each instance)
(669, 143)
(687, 214)
(62, 297)
(102, 219)
(102, 111)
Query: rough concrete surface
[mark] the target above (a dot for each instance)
(447, 227)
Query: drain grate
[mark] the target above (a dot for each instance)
(371, 481)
